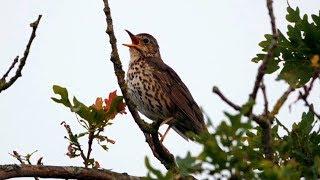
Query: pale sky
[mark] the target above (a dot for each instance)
(206, 42)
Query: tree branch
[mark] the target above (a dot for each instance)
(150, 131)
(61, 172)
(90, 141)
(217, 91)
(264, 121)
(236, 107)
(5, 85)
(269, 55)
(266, 128)
(265, 98)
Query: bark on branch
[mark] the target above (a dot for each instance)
(60, 172)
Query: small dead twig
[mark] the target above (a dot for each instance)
(6, 84)
(75, 142)
(25, 159)
(10, 68)
(16, 155)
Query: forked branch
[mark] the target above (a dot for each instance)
(6, 84)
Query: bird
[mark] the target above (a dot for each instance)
(158, 92)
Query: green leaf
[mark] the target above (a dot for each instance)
(82, 110)
(188, 165)
(316, 19)
(152, 170)
(82, 134)
(104, 147)
(272, 66)
(266, 44)
(295, 50)
(247, 106)
(293, 15)
(296, 74)
(306, 123)
(235, 120)
(259, 57)
(63, 95)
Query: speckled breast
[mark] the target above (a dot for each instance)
(145, 92)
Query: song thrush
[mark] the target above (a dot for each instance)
(157, 90)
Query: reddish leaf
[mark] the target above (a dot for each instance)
(108, 101)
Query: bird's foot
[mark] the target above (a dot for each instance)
(166, 121)
(165, 133)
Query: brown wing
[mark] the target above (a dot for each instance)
(189, 115)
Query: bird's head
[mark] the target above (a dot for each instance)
(143, 44)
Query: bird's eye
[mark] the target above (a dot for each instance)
(145, 40)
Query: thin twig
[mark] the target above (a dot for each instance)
(306, 92)
(10, 68)
(269, 55)
(5, 85)
(283, 126)
(236, 107)
(311, 108)
(266, 131)
(217, 91)
(75, 142)
(90, 140)
(280, 102)
(17, 156)
(150, 131)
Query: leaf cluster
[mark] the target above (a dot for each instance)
(297, 52)
(95, 115)
(94, 119)
(235, 150)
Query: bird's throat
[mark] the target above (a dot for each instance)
(134, 54)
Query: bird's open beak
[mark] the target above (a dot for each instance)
(134, 40)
